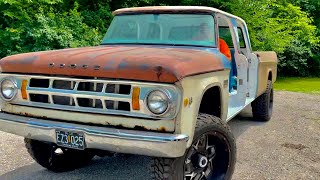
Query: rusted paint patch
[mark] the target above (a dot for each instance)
(159, 71)
(142, 63)
(142, 128)
(22, 60)
(28, 114)
(31, 115)
(268, 56)
(162, 129)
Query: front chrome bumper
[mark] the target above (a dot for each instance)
(103, 138)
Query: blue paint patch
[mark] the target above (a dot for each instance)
(110, 65)
(144, 92)
(19, 60)
(235, 29)
(144, 67)
(29, 60)
(226, 63)
(18, 81)
(123, 64)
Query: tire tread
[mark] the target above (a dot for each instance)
(39, 151)
(260, 109)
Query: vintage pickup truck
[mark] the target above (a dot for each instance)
(158, 85)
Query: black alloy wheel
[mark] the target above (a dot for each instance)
(208, 158)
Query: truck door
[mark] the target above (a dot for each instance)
(253, 61)
(238, 79)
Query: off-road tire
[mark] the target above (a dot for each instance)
(173, 168)
(262, 107)
(41, 152)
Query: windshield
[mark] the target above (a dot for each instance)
(170, 29)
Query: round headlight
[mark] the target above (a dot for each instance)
(8, 89)
(158, 102)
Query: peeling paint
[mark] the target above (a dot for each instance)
(159, 71)
(140, 128)
(139, 62)
(30, 59)
(162, 129)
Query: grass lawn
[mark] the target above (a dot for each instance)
(297, 84)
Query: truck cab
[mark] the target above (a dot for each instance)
(245, 82)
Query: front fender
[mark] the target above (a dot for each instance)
(194, 88)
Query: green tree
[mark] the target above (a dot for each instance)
(39, 25)
(282, 27)
(289, 27)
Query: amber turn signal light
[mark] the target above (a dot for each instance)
(135, 98)
(24, 89)
(186, 102)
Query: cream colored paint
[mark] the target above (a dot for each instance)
(267, 63)
(194, 87)
(157, 125)
(264, 68)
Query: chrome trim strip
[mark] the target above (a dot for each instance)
(110, 139)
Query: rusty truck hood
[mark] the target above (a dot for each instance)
(143, 63)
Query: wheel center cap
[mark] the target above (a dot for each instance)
(203, 161)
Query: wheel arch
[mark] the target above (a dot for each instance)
(265, 75)
(211, 101)
(270, 75)
(194, 90)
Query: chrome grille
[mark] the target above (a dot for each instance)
(65, 86)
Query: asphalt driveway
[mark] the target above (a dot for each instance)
(287, 147)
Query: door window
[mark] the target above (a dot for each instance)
(225, 34)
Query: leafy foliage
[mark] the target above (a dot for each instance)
(289, 27)
(35, 26)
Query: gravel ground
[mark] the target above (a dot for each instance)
(287, 147)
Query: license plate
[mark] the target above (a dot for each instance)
(70, 139)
